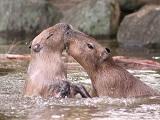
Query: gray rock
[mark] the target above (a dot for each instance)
(131, 5)
(26, 15)
(141, 28)
(95, 17)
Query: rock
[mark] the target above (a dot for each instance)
(141, 28)
(26, 16)
(131, 5)
(95, 17)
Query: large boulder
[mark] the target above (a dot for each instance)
(141, 28)
(131, 5)
(95, 17)
(26, 16)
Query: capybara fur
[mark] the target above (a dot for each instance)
(47, 76)
(108, 78)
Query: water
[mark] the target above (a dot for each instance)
(14, 106)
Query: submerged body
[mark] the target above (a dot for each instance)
(47, 76)
(108, 79)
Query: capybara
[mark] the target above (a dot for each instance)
(47, 76)
(108, 78)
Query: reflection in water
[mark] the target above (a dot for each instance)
(4, 71)
(13, 105)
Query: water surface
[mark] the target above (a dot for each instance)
(13, 105)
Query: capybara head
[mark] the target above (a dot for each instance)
(50, 39)
(46, 52)
(85, 49)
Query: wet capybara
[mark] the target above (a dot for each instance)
(46, 71)
(108, 78)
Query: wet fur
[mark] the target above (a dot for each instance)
(119, 83)
(46, 67)
(47, 76)
(108, 79)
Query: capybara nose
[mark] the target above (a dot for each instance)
(68, 27)
(68, 31)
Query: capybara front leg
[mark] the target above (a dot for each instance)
(81, 90)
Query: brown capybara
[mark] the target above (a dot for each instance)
(46, 71)
(108, 79)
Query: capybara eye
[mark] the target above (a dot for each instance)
(49, 36)
(90, 46)
(108, 50)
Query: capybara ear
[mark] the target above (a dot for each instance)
(108, 50)
(104, 55)
(36, 47)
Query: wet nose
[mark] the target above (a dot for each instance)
(67, 27)
(68, 30)
(64, 26)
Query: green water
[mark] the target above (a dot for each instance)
(14, 106)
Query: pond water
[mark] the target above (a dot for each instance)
(14, 106)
